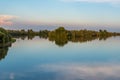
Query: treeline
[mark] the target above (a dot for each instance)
(22, 33)
(70, 33)
(61, 36)
(29, 33)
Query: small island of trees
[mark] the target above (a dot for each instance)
(60, 35)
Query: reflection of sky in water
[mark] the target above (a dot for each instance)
(40, 59)
(66, 72)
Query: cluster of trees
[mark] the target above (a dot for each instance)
(5, 42)
(22, 33)
(29, 33)
(61, 36)
(43, 33)
(5, 37)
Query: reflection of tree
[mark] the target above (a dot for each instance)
(3, 52)
(23, 37)
(103, 34)
(43, 34)
(30, 37)
(59, 36)
(62, 36)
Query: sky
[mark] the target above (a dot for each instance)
(46, 14)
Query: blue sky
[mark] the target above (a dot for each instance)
(60, 12)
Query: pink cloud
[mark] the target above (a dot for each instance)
(6, 19)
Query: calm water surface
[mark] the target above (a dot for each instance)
(41, 59)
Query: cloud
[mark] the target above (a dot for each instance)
(69, 71)
(6, 19)
(11, 77)
(82, 71)
(94, 1)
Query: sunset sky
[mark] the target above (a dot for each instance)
(81, 13)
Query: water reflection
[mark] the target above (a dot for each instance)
(39, 59)
(66, 72)
(23, 37)
(4, 50)
(60, 39)
(82, 71)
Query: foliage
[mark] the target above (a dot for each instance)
(61, 36)
(4, 36)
